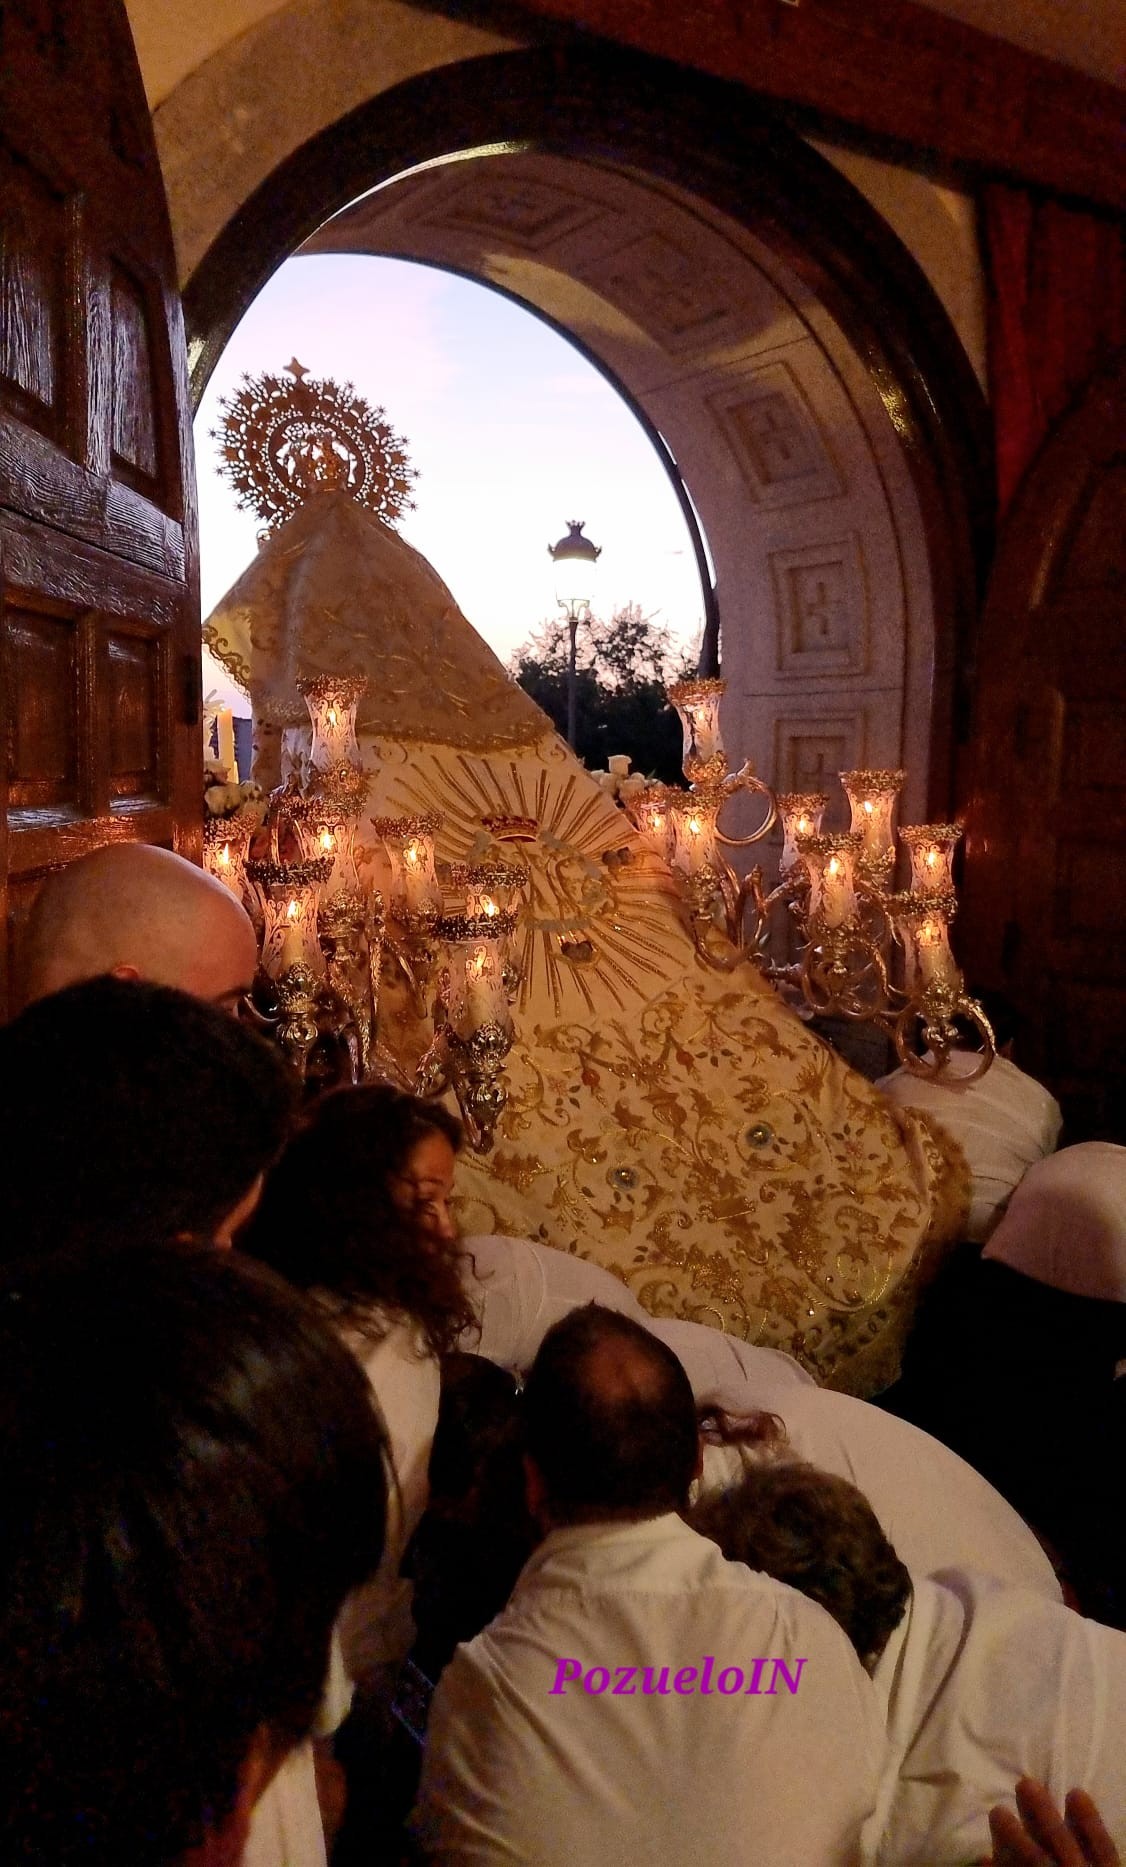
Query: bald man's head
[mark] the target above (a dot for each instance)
(610, 1422)
(144, 913)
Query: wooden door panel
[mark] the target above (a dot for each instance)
(133, 694)
(99, 608)
(43, 650)
(34, 276)
(1044, 909)
(91, 651)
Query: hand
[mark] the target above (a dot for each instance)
(1039, 1836)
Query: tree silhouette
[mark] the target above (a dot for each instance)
(625, 664)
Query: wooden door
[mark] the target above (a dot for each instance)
(100, 672)
(1044, 916)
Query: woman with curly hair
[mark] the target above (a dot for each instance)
(356, 1213)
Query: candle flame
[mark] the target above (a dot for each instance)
(834, 865)
(225, 856)
(694, 826)
(412, 854)
(803, 826)
(489, 906)
(328, 841)
(332, 716)
(293, 910)
(868, 807)
(932, 858)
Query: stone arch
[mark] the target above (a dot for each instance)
(754, 308)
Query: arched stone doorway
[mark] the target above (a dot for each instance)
(758, 314)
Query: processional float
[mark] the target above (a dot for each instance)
(450, 899)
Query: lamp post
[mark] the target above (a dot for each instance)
(574, 558)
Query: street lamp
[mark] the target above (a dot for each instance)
(574, 558)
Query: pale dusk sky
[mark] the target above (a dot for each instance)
(513, 433)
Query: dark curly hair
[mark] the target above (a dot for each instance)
(820, 1534)
(329, 1224)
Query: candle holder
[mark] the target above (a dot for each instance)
(872, 796)
(414, 899)
(830, 863)
(835, 886)
(409, 842)
(475, 993)
(935, 990)
(494, 890)
(326, 819)
(477, 1034)
(800, 813)
(931, 846)
(923, 924)
(332, 700)
(650, 812)
(698, 702)
(695, 842)
(226, 841)
(288, 894)
(491, 888)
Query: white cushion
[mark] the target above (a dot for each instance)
(1003, 1122)
(1066, 1223)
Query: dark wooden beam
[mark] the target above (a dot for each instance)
(893, 70)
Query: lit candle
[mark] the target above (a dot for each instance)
(932, 847)
(482, 977)
(872, 795)
(414, 874)
(923, 926)
(332, 700)
(409, 842)
(325, 820)
(225, 843)
(477, 993)
(801, 813)
(648, 810)
(491, 888)
(289, 894)
(832, 892)
(292, 950)
(694, 816)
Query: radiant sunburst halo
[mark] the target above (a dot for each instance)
(284, 438)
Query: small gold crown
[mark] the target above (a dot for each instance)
(512, 829)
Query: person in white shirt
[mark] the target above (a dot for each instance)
(640, 1699)
(981, 1684)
